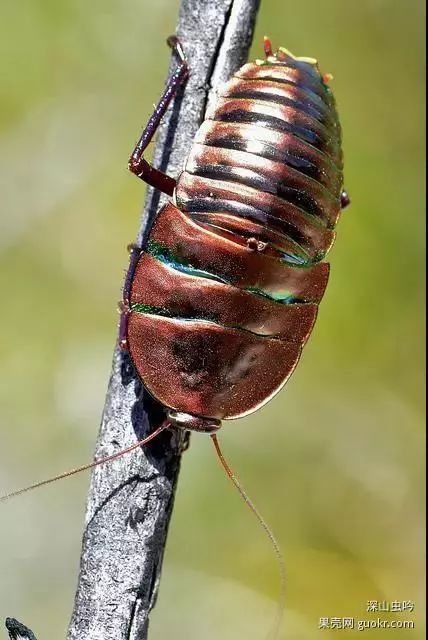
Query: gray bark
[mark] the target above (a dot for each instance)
(18, 631)
(130, 501)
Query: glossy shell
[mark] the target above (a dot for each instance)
(225, 293)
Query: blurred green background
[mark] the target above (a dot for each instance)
(335, 462)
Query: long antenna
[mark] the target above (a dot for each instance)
(268, 531)
(85, 467)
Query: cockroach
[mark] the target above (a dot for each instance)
(223, 293)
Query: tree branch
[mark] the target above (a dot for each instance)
(130, 501)
(18, 631)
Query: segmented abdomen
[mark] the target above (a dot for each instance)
(267, 161)
(226, 292)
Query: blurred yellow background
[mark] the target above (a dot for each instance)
(335, 462)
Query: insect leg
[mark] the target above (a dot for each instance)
(124, 305)
(137, 164)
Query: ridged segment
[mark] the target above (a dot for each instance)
(272, 177)
(286, 94)
(161, 289)
(294, 73)
(203, 249)
(285, 120)
(266, 143)
(208, 370)
(198, 194)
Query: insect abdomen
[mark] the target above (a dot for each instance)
(269, 153)
(226, 292)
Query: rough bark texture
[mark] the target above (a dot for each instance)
(18, 631)
(130, 501)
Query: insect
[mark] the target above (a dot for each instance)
(223, 295)
(223, 292)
